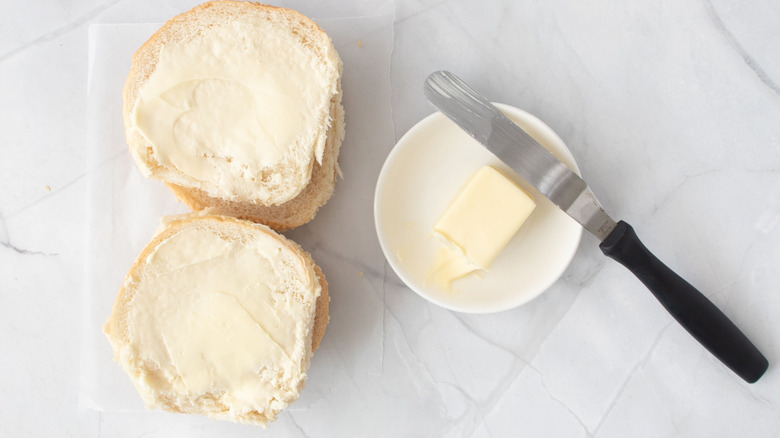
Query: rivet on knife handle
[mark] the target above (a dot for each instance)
(480, 119)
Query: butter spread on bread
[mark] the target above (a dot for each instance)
(237, 106)
(226, 105)
(219, 317)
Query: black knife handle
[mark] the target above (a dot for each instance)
(688, 306)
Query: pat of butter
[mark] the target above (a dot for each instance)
(484, 215)
(448, 266)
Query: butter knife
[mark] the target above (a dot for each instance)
(501, 136)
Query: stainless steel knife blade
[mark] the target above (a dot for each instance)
(483, 121)
(703, 320)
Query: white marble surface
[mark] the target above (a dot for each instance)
(671, 109)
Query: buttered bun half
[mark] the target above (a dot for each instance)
(219, 317)
(237, 106)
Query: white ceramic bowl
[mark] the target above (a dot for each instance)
(423, 173)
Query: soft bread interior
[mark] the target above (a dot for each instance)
(295, 212)
(239, 181)
(184, 345)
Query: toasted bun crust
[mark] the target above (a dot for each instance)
(118, 327)
(308, 183)
(322, 313)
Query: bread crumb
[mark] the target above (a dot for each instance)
(48, 189)
(360, 274)
(360, 43)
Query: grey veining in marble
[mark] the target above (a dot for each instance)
(671, 110)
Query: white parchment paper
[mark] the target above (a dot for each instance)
(123, 212)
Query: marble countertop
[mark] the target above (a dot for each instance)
(672, 111)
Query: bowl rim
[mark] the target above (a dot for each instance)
(379, 225)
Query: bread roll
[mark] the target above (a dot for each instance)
(219, 317)
(237, 106)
